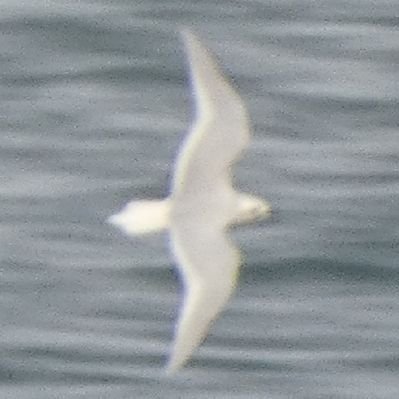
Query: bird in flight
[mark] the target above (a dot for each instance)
(202, 204)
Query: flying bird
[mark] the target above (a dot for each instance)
(202, 204)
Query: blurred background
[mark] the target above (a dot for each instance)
(94, 102)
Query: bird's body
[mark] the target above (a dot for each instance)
(202, 204)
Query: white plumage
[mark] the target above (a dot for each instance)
(202, 204)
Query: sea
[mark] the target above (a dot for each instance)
(95, 100)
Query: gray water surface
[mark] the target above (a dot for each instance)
(94, 101)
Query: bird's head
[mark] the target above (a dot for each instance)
(251, 209)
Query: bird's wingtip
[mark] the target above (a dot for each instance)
(189, 37)
(186, 32)
(172, 367)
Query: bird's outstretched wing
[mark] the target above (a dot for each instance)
(209, 264)
(220, 130)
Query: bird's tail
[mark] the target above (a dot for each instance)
(143, 217)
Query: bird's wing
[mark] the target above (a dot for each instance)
(208, 263)
(220, 130)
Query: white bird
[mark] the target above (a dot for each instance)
(202, 203)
